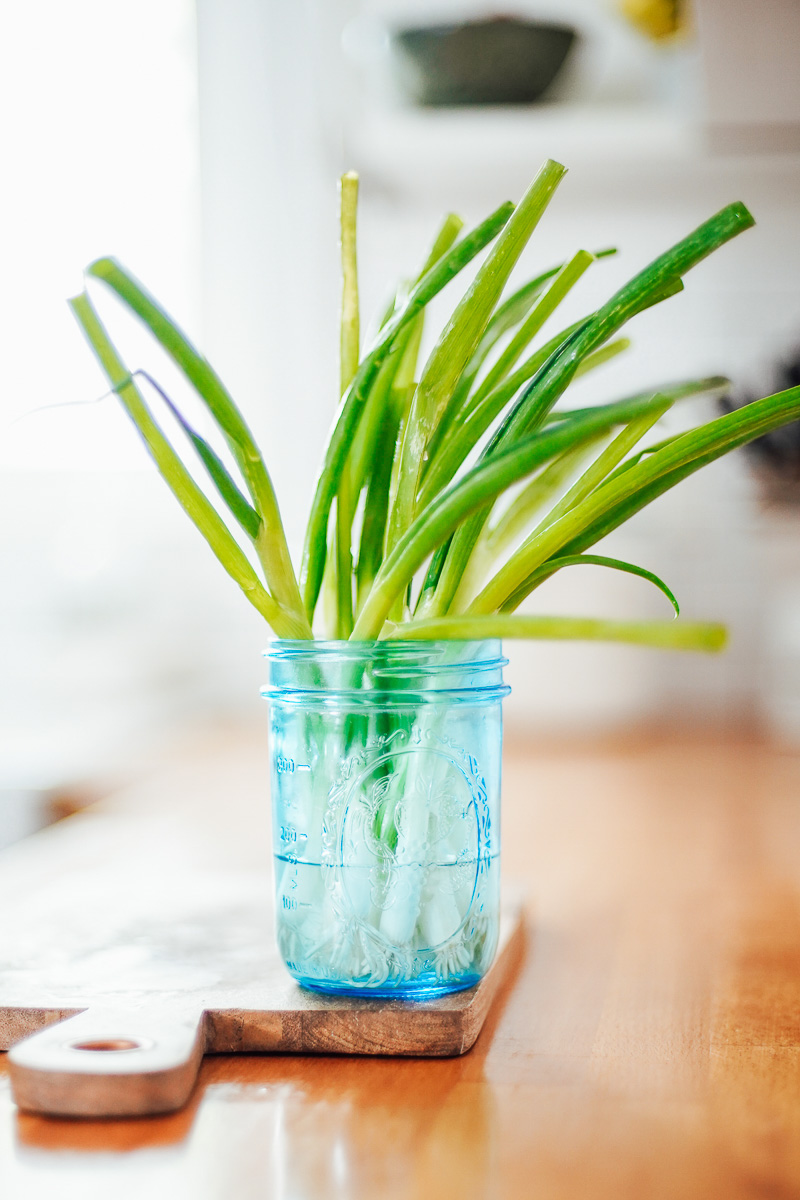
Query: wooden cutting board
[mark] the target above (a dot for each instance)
(128, 972)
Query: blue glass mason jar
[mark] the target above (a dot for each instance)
(385, 776)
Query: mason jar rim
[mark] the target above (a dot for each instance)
(287, 648)
(410, 671)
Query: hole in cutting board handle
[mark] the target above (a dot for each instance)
(114, 1044)
(110, 1062)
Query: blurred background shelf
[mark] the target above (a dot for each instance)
(414, 150)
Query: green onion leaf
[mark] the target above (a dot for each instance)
(478, 489)
(349, 339)
(575, 560)
(271, 546)
(460, 339)
(199, 509)
(244, 512)
(619, 498)
(668, 635)
(353, 402)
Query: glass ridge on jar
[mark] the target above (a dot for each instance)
(385, 779)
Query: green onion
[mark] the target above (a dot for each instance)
(177, 478)
(459, 341)
(244, 512)
(353, 402)
(478, 489)
(685, 635)
(451, 487)
(350, 324)
(575, 560)
(271, 546)
(618, 499)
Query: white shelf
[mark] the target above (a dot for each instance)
(421, 149)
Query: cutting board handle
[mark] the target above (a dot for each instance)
(110, 1063)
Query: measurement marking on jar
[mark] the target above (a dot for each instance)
(287, 766)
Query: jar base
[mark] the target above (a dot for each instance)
(415, 989)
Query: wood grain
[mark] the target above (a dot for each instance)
(153, 986)
(131, 976)
(650, 1046)
(154, 968)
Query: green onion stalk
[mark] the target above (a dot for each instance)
(455, 482)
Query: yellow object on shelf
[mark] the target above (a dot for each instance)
(658, 19)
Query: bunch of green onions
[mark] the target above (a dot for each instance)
(451, 487)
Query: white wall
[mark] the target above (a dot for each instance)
(640, 178)
(115, 622)
(98, 145)
(752, 85)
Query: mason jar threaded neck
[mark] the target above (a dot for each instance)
(385, 672)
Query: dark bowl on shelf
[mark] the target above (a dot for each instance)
(498, 61)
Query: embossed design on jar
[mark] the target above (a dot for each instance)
(408, 825)
(394, 889)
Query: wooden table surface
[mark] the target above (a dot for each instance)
(649, 1045)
